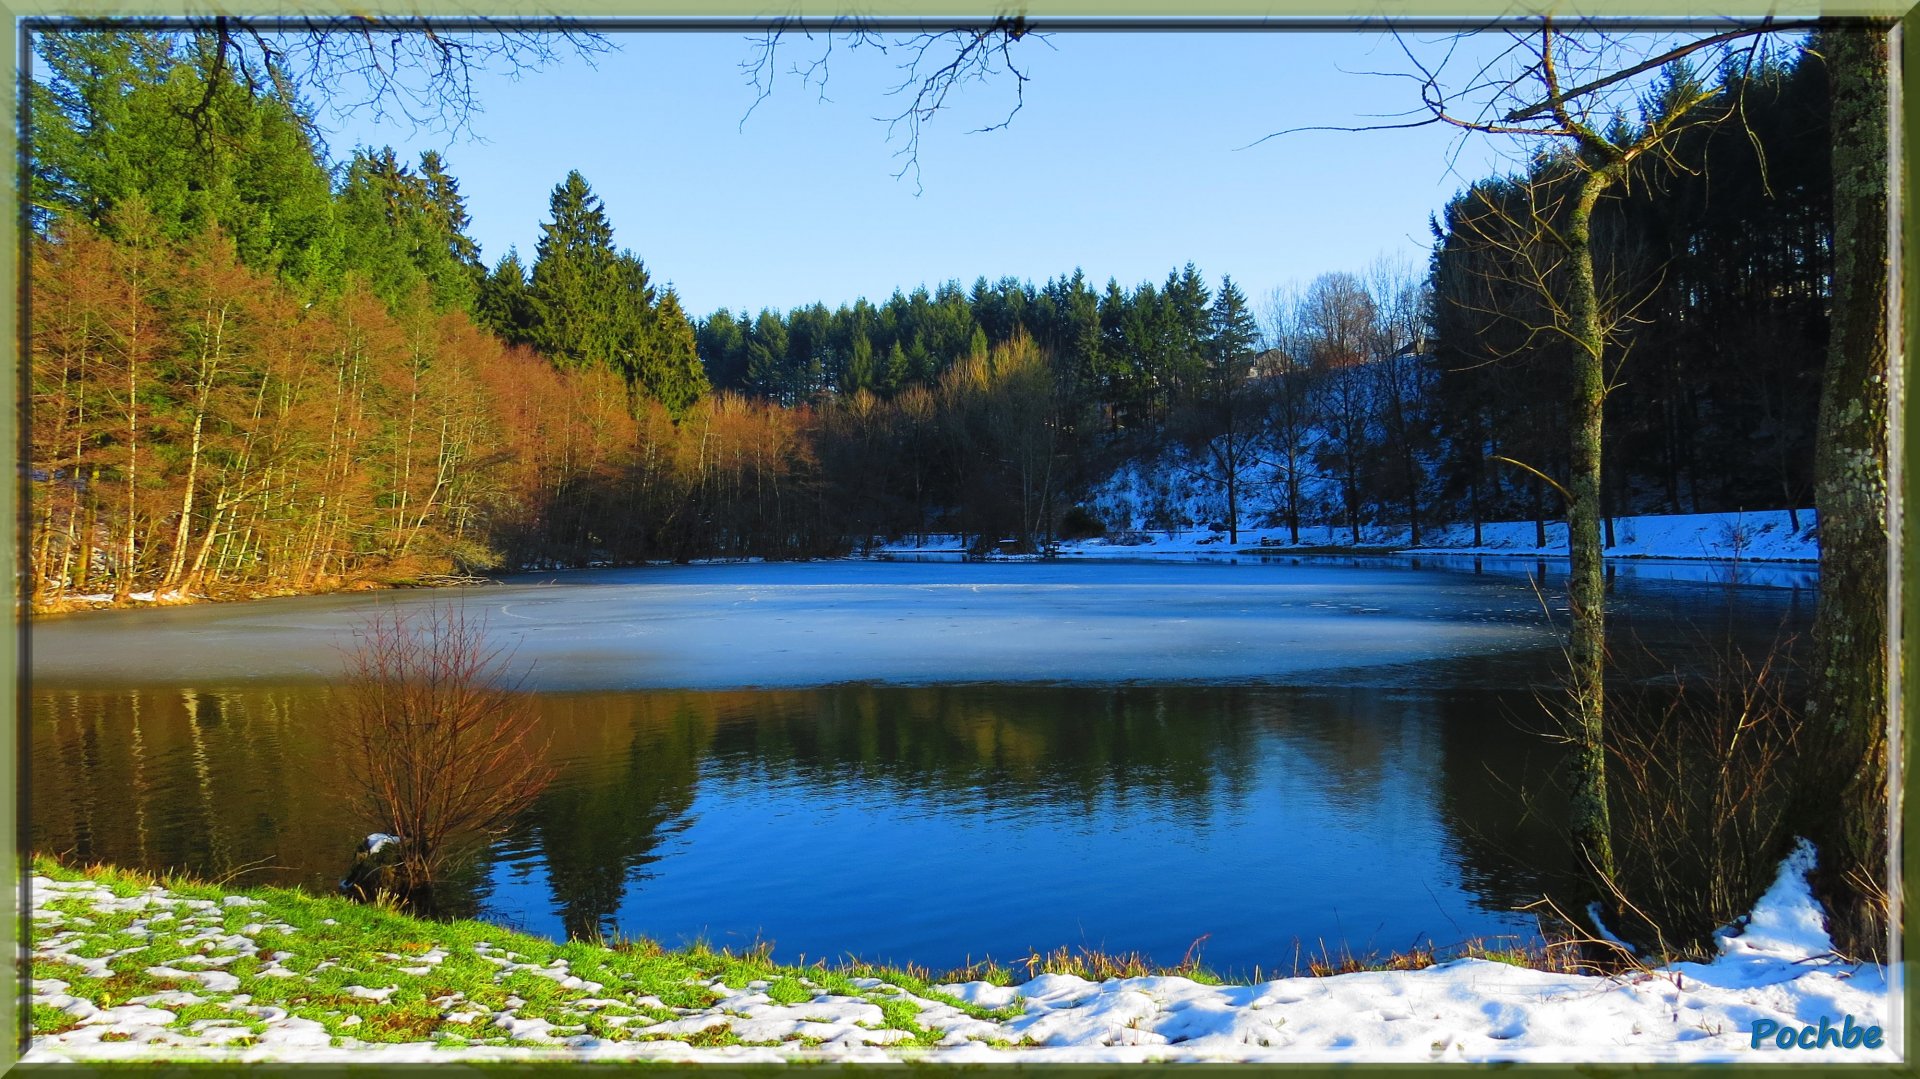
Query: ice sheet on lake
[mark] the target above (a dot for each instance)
(775, 624)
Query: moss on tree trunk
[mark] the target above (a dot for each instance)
(1586, 596)
(1844, 797)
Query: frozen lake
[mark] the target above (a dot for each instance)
(784, 624)
(927, 762)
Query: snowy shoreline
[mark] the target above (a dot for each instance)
(1758, 536)
(1747, 539)
(1777, 969)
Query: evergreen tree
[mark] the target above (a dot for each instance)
(402, 229)
(767, 357)
(1184, 327)
(502, 305)
(120, 115)
(1115, 371)
(722, 343)
(377, 204)
(448, 211)
(672, 374)
(630, 323)
(1233, 330)
(899, 370)
(860, 370)
(576, 278)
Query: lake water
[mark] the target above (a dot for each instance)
(908, 762)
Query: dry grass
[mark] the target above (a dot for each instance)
(1096, 965)
(1559, 956)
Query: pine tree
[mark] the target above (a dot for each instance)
(1185, 326)
(574, 281)
(502, 305)
(1233, 330)
(120, 115)
(860, 370)
(448, 214)
(673, 375)
(403, 230)
(898, 371)
(722, 344)
(767, 357)
(376, 204)
(630, 321)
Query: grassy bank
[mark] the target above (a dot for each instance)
(236, 960)
(127, 967)
(178, 964)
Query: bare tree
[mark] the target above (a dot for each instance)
(1400, 302)
(1295, 402)
(1337, 322)
(935, 63)
(440, 744)
(412, 67)
(1573, 100)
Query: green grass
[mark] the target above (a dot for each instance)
(334, 945)
(789, 991)
(366, 945)
(48, 1019)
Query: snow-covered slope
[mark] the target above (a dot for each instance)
(1168, 500)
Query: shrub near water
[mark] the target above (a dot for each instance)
(1702, 774)
(438, 743)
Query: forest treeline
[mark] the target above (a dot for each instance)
(254, 369)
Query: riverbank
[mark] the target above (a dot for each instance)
(1761, 536)
(1758, 536)
(102, 601)
(126, 968)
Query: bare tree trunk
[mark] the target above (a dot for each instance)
(1293, 496)
(1845, 796)
(1586, 595)
(203, 388)
(123, 585)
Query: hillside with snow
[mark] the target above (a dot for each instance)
(1172, 504)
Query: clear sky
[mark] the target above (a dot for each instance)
(1130, 157)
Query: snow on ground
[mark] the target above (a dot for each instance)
(1760, 535)
(1149, 495)
(1776, 972)
(102, 598)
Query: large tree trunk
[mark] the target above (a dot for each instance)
(1586, 596)
(1844, 800)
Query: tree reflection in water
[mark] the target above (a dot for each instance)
(238, 782)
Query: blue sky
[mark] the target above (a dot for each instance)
(1130, 157)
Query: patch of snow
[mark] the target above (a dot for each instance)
(1777, 966)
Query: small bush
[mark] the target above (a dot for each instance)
(439, 745)
(1702, 776)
